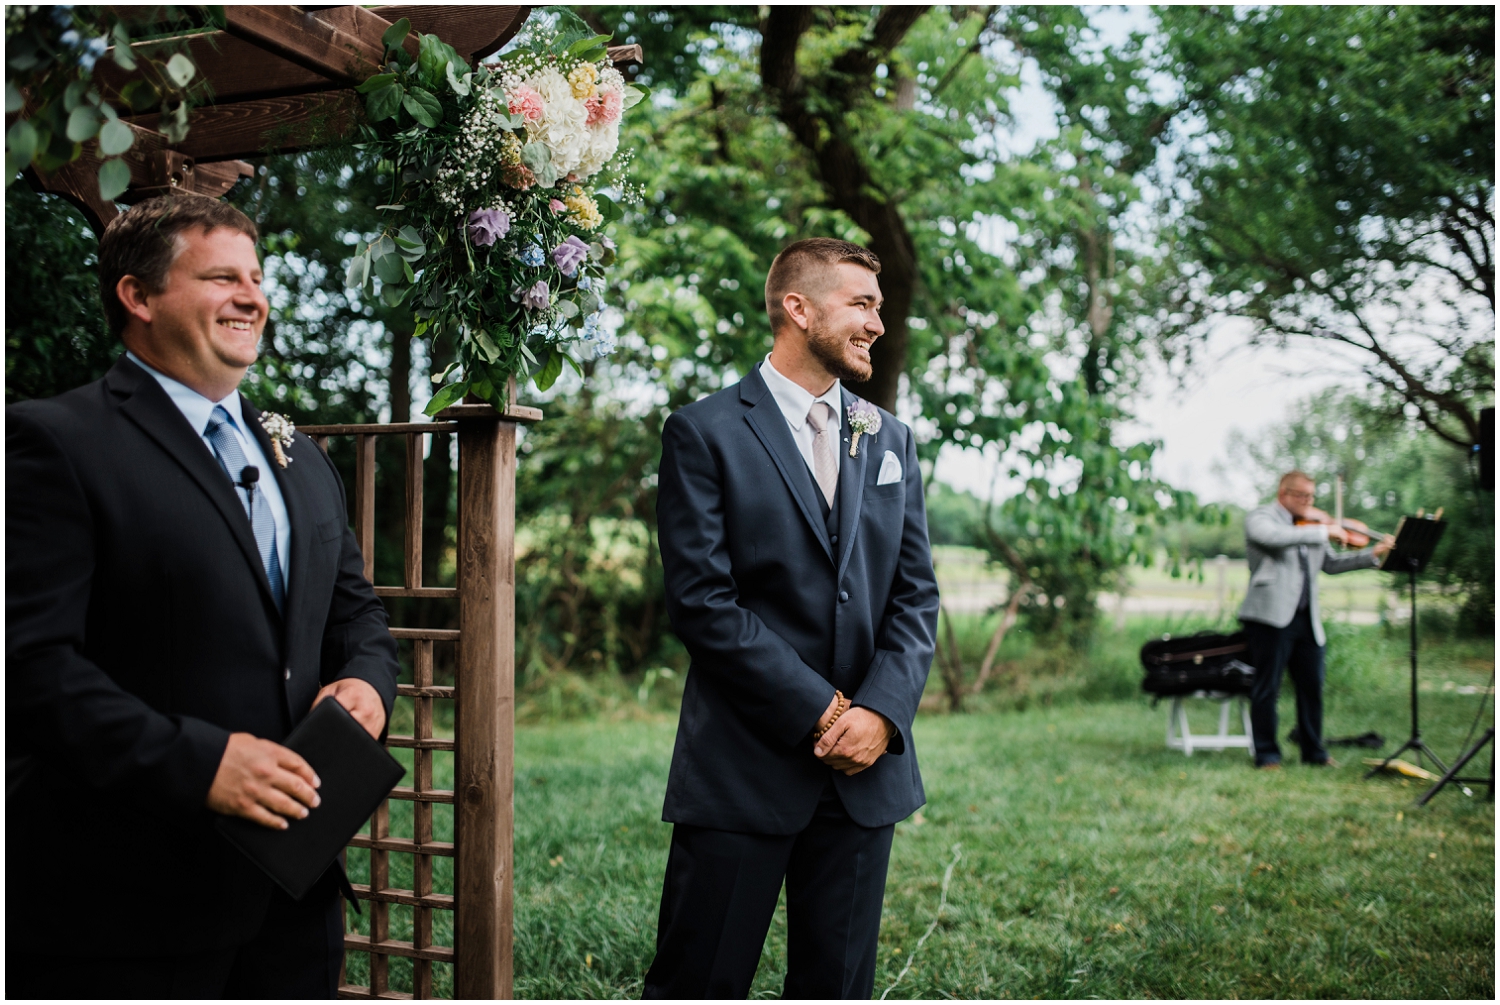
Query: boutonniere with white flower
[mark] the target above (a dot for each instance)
(863, 418)
(280, 429)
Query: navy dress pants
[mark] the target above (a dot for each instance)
(1296, 649)
(296, 955)
(720, 893)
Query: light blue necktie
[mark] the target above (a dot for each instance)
(262, 525)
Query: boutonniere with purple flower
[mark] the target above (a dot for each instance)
(864, 418)
(280, 429)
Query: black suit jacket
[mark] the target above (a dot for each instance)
(140, 633)
(776, 616)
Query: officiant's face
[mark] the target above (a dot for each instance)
(845, 322)
(206, 321)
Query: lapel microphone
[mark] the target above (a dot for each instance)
(249, 475)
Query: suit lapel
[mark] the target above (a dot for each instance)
(298, 510)
(769, 424)
(851, 486)
(149, 407)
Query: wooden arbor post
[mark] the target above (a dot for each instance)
(483, 892)
(485, 784)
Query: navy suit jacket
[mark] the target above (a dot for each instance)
(140, 633)
(776, 616)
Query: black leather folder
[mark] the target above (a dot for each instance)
(356, 772)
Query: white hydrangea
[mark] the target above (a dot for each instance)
(564, 126)
(604, 137)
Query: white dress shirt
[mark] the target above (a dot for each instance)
(796, 401)
(198, 410)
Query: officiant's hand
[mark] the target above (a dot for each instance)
(855, 742)
(264, 782)
(362, 701)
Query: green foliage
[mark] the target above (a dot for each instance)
(51, 53)
(1093, 862)
(55, 334)
(1337, 171)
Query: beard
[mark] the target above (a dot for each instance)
(834, 352)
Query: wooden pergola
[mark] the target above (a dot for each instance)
(282, 79)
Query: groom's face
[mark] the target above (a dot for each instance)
(844, 322)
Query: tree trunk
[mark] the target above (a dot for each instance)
(818, 121)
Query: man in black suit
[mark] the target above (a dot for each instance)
(170, 617)
(798, 572)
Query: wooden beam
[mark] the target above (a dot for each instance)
(344, 52)
(155, 169)
(475, 32)
(236, 69)
(267, 125)
(622, 56)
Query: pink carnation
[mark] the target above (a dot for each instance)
(556, 205)
(527, 103)
(604, 107)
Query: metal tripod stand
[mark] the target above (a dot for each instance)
(1413, 742)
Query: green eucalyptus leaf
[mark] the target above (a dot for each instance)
(423, 106)
(392, 295)
(20, 148)
(114, 179)
(567, 308)
(459, 86)
(527, 353)
(411, 277)
(181, 69)
(487, 346)
(585, 44)
(382, 246)
(115, 138)
(446, 396)
(390, 268)
(358, 272)
(433, 59)
(396, 34)
(634, 95)
(568, 359)
(175, 123)
(376, 82)
(73, 95)
(83, 124)
(14, 99)
(383, 102)
(549, 373)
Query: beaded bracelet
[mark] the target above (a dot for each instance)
(839, 709)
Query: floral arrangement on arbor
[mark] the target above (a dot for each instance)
(495, 235)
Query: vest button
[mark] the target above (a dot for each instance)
(843, 596)
(834, 539)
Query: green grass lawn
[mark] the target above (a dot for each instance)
(1090, 861)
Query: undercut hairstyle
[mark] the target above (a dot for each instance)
(806, 267)
(1295, 475)
(142, 242)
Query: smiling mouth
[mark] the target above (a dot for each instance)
(862, 344)
(236, 325)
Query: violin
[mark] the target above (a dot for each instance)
(1359, 532)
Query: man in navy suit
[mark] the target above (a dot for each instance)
(176, 602)
(799, 577)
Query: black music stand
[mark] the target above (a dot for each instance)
(1416, 540)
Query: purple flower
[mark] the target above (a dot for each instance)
(486, 226)
(569, 255)
(538, 298)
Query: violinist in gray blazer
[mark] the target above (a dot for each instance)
(1282, 622)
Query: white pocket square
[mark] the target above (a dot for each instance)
(890, 469)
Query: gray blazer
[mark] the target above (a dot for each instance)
(1271, 542)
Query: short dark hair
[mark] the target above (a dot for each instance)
(1295, 475)
(791, 271)
(142, 242)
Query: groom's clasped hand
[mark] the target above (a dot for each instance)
(854, 741)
